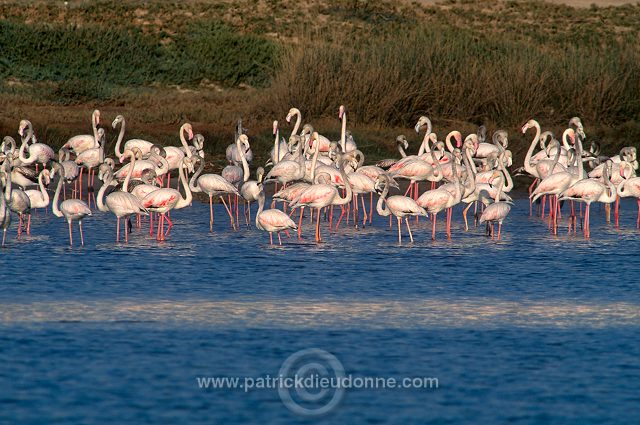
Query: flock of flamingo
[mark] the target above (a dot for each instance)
(310, 171)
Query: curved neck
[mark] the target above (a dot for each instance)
(507, 175)
(436, 163)
(471, 172)
(472, 165)
(56, 197)
(183, 140)
(383, 210)
(260, 209)
(245, 164)
(186, 201)
(347, 198)
(94, 124)
(120, 138)
(43, 190)
(193, 186)
(132, 163)
(527, 164)
(401, 150)
(100, 199)
(447, 141)
(296, 127)
(7, 188)
(25, 140)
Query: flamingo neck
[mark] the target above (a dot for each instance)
(56, 197)
(183, 140)
(186, 201)
(120, 138)
(527, 164)
(193, 185)
(100, 199)
(132, 163)
(343, 133)
(383, 210)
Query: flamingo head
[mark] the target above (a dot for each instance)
(422, 121)
(528, 125)
(189, 129)
(292, 112)
(341, 111)
(402, 140)
(458, 137)
(46, 177)
(116, 121)
(244, 141)
(275, 127)
(23, 124)
(96, 114)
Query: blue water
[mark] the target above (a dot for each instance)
(535, 328)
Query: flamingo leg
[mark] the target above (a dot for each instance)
(408, 228)
(81, 235)
(4, 236)
(233, 226)
(237, 207)
(364, 213)
(210, 213)
(544, 199)
(409, 188)
(355, 210)
(638, 219)
(270, 238)
(586, 221)
(279, 240)
(344, 210)
(617, 211)
(80, 183)
(318, 238)
(126, 230)
(399, 230)
(448, 223)
(300, 223)
(170, 225)
(118, 229)
(499, 229)
(531, 202)
(433, 227)
(29, 225)
(464, 216)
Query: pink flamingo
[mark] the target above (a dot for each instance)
(323, 195)
(437, 200)
(631, 188)
(588, 191)
(82, 142)
(166, 199)
(398, 206)
(70, 209)
(121, 203)
(272, 220)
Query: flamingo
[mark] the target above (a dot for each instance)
(398, 206)
(588, 191)
(250, 190)
(166, 199)
(90, 159)
(121, 203)
(82, 142)
(272, 220)
(38, 152)
(39, 198)
(174, 155)
(71, 169)
(631, 188)
(20, 176)
(497, 211)
(70, 209)
(436, 200)
(212, 185)
(5, 213)
(323, 195)
(401, 145)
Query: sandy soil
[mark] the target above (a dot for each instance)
(574, 3)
